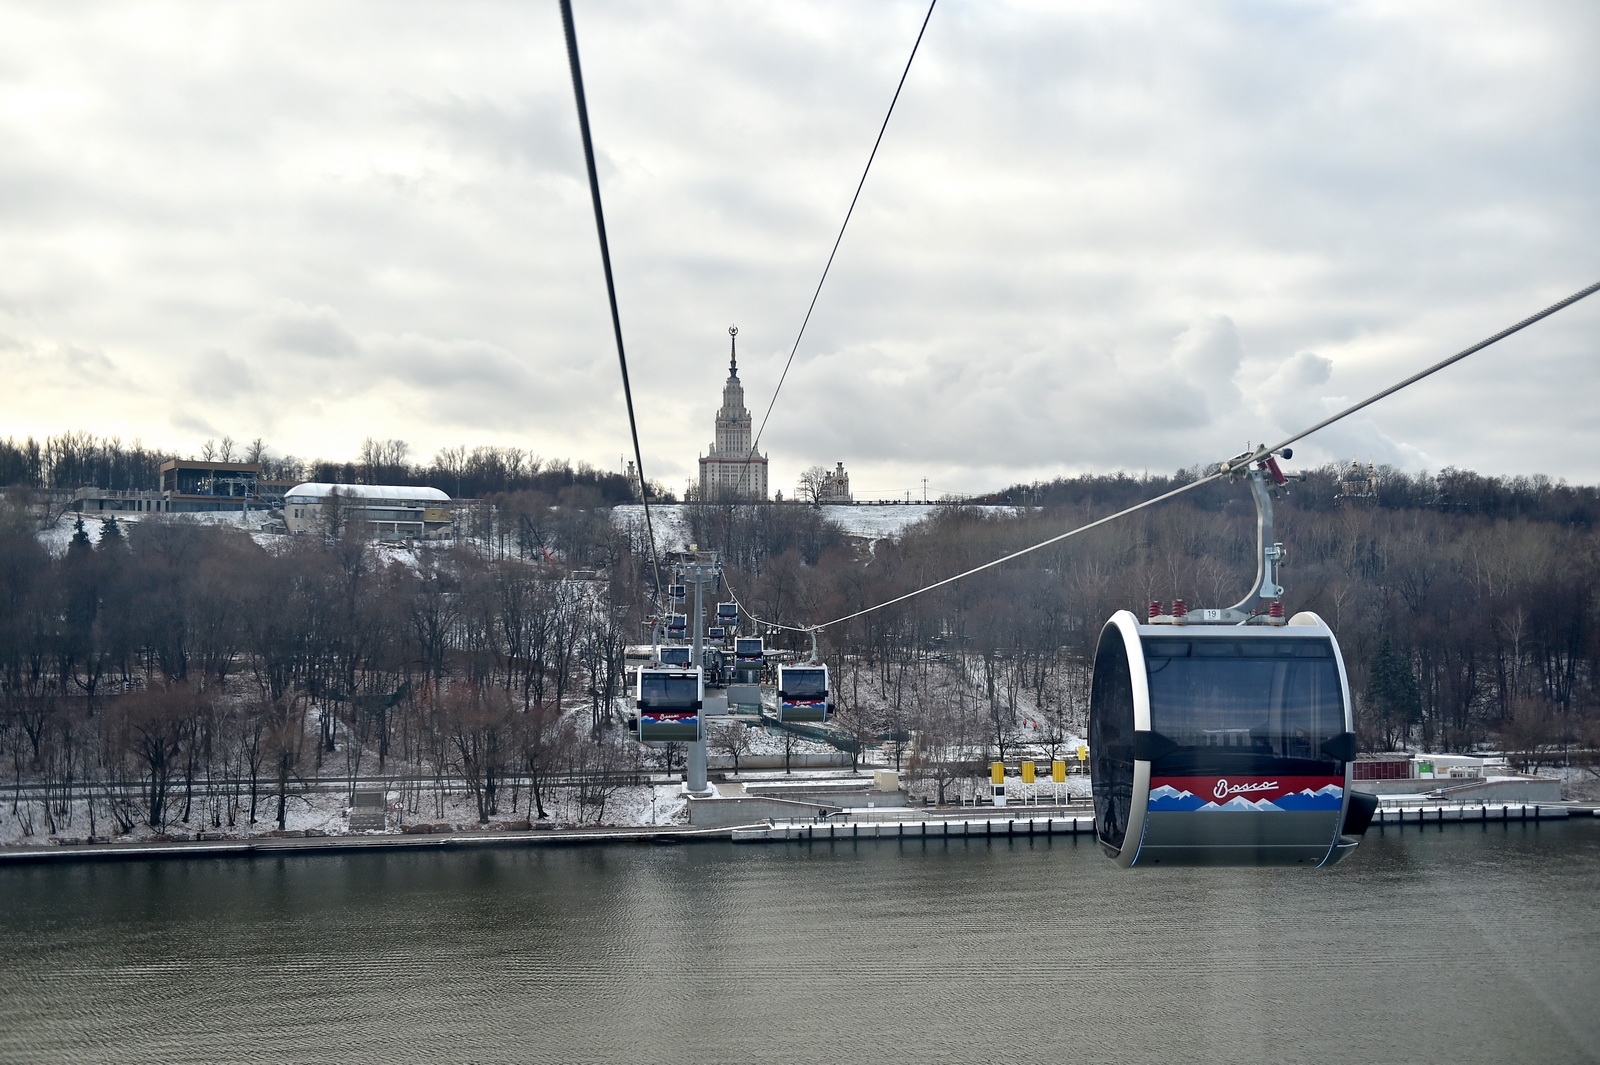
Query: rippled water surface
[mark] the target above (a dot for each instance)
(1460, 944)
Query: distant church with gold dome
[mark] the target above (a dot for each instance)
(732, 470)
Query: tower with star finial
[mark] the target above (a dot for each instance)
(732, 469)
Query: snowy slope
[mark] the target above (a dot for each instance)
(872, 521)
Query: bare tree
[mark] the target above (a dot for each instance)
(732, 740)
(810, 487)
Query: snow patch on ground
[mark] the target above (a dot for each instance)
(763, 741)
(56, 537)
(327, 811)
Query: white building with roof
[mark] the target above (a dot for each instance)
(397, 512)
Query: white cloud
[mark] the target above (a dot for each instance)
(1096, 236)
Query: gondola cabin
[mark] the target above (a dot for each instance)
(803, 693)
(716, 632)
(748, 652)
(715, 664)
(1223, 744)
(669, 702)
(728, 615)
(677, 626)
(678, 592)
(679, 657)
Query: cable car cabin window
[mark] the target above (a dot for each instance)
(667, 691)
(805, 683)
(1111, 739)
(1254, 705)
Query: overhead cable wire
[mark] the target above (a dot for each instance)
(836, 240)
(611, 285)
(1441, 364)
(760, 621)
(1004, 559)
(1226, 469)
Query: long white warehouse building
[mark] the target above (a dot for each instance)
(399, 512)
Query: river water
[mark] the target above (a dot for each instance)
(1455, 944)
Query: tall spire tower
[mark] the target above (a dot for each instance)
(733, 469)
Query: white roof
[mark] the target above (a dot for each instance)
(369, 491)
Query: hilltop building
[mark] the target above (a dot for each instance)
(835, 486)
(1356, 487)
(732, 469)
(191, 486)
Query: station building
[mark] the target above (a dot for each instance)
(190, 486)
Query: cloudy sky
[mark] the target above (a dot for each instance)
(1099, 235)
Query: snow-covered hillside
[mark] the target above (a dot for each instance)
(871, 521)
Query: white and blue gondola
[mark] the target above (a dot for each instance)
(669, 702)
(680, 656)
(803, 693)
(1223, 745)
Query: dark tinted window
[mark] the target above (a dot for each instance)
(1111, 738)
(806, 683)
(668, 691)
(1269, 696)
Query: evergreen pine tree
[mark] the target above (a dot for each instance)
(80, 540)
(1392, 691)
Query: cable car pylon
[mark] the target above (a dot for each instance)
(670, 694)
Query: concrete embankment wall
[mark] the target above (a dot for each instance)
(808, 760)
(851, 799)
(275, 846)
(1523, 789)
(1458, 789)
(745, 810)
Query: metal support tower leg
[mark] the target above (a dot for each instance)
(697, 750)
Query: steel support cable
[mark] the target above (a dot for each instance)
(611, 285)
(836, 240)
(1227, 468)
(1002, 560)
(1436, 367)
(760, 621)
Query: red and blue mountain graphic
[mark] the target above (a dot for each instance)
(1242, 794)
